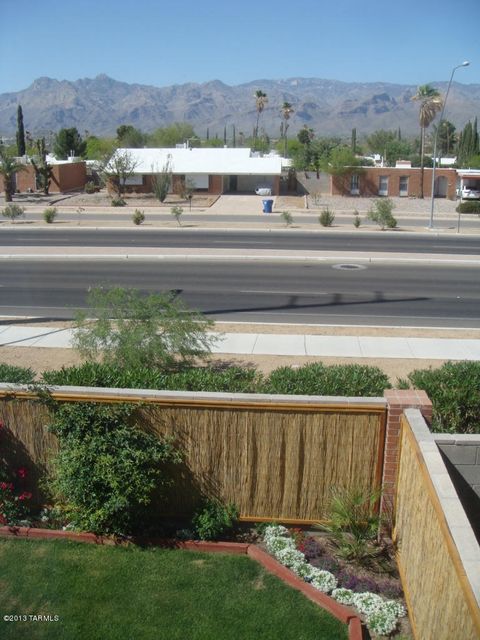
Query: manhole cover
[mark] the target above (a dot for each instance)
(350, 267)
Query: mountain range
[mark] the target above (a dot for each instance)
(329, 107)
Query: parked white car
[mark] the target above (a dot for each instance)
(263, 191)
(470, 194)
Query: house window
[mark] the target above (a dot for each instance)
(403, 190)
(354, 185)
(383, 186)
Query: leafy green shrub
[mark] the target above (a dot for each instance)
(357, 221)
(454, 389)
(91, 187)
(50, 214)
(13, 211)
(138, 217)
(336, 380)
(381, 213)
(16, 375)
(214, 519)
(94, 374)
(469, 206)
(107, 469)
(118, 201)
(326, 217)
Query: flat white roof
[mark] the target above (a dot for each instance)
(204, 161)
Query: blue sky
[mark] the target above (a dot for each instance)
(163, 42)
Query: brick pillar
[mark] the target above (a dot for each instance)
(397, 401)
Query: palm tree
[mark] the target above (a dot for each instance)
(8, 168)
(430, 104)
(260, 102)
(287, 111)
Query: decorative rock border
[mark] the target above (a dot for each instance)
(339, 611)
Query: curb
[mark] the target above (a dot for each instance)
(232, 258)
(339, 611)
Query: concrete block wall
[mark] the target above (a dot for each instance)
(461, 454)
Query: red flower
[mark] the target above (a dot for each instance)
(22, 472)
(26, 495)
(2, 424)
(10, 486)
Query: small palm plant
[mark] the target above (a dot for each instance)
(353, 524)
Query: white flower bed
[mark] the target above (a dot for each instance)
(381, 615)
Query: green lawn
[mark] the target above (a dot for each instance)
(109, 593)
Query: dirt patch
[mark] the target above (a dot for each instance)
(258, 584)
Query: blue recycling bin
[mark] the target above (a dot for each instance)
(267, 206)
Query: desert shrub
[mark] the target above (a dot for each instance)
(454, 389)
(118, 201)
(138, 217)
(16, 375)
(214, 519)
(326, 217)
(319, 379)
(176, 212)
(381, 213)
(13, 211)
(357, 221)
(470, 206)
(49, 215)
(130, 330)
(91, 187)
(287, 218)
(94, 374)
(107, 469)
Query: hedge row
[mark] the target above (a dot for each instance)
(454, 388)
(310, 379)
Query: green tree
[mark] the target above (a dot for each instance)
(98, 148)
(8, 168)
(118, 168)
(305, 135)
(167, 137)
(130, 138)
(430, 104)
(287, 111)
(132, 330)
(68, 142)
(340, 161)
(446, 137)
(261, 101)
(20, 132)
(468, 144)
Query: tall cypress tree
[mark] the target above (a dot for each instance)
(20, 132)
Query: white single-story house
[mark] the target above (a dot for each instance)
(212, 170)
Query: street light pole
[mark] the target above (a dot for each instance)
(432, 203)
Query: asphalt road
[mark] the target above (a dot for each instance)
(406, 295)
(295, 240)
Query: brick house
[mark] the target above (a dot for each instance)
(214, 171)
(400, 181)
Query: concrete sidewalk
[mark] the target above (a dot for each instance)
(288, 345)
